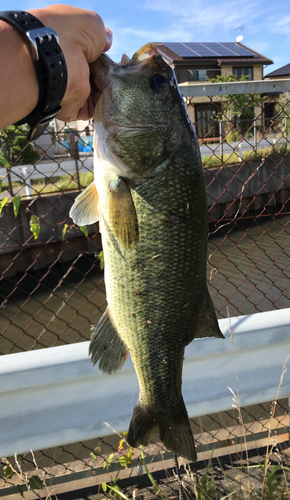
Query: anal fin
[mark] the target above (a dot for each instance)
(107, 347)
(85, 209)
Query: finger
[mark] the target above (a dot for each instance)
(109, 36)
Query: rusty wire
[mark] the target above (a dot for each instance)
(51, 287)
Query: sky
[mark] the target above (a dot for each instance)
(264, 24)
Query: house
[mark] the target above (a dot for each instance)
(273, 113)
(195, 62)
(282, 73)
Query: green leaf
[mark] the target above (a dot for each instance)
(126, 459)
(104, 487)
(20, 489)
(34, 226)
(107, 463)
(102, 260)
(122, 461)
(84, 230)
(8, 472)
(16, 204)
(64, 231)
(3, 203)
(4, 161)
(158, 492)
(118, 492)
(36, 483)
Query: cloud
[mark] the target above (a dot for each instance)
(128, 40)
(279, 24)
(200, 15)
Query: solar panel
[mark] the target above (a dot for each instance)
(209, 49)
(181, 49)
(240, 51)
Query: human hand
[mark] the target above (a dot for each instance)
(82, 38)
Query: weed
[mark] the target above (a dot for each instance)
(152, 480)
(113, 490)
(273, 486)
(61, 183)
(28, 482)
(233, 135)
(233, 158)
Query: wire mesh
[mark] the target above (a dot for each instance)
(51, 284)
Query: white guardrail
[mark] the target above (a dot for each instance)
(55, 396)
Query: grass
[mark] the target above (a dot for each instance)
(55, 184)
(202, 485)
(61, 183)
(273, 481)
(233, 158)
(68, 182)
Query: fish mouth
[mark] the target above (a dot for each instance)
(118, 129)
(114, 128)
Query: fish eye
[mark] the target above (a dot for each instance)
(156, 81)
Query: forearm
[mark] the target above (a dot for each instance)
(82, 38)
(18, 79)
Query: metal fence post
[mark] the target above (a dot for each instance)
(3, 145)
(255, 134)
(221, 139)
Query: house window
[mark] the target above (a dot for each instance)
(243, 71)
(206, 123)
(197, 75)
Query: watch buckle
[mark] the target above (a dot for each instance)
(38, 34)
(38, 125)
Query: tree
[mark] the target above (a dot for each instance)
(282, 109)
(240, 107)
(16, 149)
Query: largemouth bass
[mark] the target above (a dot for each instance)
(149, 196)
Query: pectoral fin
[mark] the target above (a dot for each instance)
(107, 347)
(85, 209)
(122, 214)
(208, 325)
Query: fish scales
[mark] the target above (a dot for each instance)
(149, 196)
(156, 294)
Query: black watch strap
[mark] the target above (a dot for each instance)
(50, 66)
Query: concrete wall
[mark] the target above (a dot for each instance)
(19, 250)
(270, 185)
(258, 72)
(249, 187)
(226, 70)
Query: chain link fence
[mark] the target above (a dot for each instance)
(51, 280)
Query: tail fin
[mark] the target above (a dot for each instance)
(175, 432)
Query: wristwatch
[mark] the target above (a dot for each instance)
(50, 66)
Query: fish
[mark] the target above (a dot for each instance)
(149, 197)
